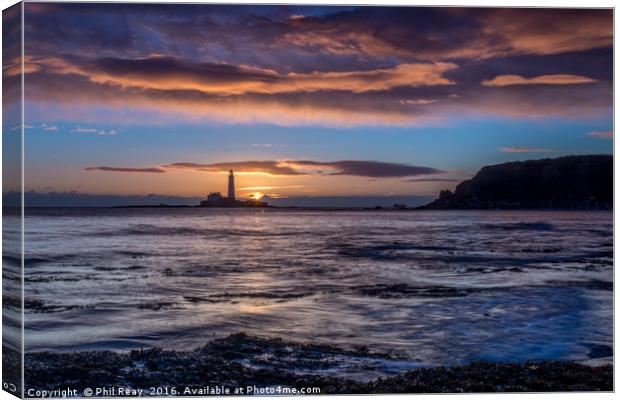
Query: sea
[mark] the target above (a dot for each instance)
(430, 288)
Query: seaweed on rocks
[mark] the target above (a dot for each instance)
(540, 376)
(241, 360)
(241, 345)
(11, 369)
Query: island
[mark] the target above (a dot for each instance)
(570, 182)
(215, 199)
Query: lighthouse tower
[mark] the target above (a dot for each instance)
(231, 185)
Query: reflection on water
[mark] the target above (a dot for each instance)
(431, 287)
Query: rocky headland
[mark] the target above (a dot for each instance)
(571, 182)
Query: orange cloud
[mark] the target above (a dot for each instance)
(557, 79)
(550, 31)
(156, 89)
(70, 93)
(167, 73)
(13, 67)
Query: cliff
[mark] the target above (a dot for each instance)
(571, 182)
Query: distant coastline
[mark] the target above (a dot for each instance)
(68, 199)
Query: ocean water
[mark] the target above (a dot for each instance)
(431, 288)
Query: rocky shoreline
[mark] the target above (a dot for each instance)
(241, 360)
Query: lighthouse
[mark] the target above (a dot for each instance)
(231, 185)
(215, 199)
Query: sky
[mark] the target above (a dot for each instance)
(304, 101)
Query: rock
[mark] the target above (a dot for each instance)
(571, 182)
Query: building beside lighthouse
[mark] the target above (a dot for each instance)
(215, 199)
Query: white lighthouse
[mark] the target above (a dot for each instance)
(231, 185)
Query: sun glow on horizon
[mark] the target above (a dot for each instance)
(256, 195)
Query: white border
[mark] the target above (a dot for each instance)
(445, 3)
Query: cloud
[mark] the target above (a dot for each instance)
(59, 98)
(549, 31)
(18, 127)
(526, 150)
(273, 36)
(449, 33)
(418, 102)
(261, 167)
(84, 130)
(432, 180)
(53, 96)
(13, 67)
(372, 169)
(601, 134)
(168, 73)
(126, 169)
(558, 79)
(253, 188)
(100, 132)
(52, 128)
(335, 66)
